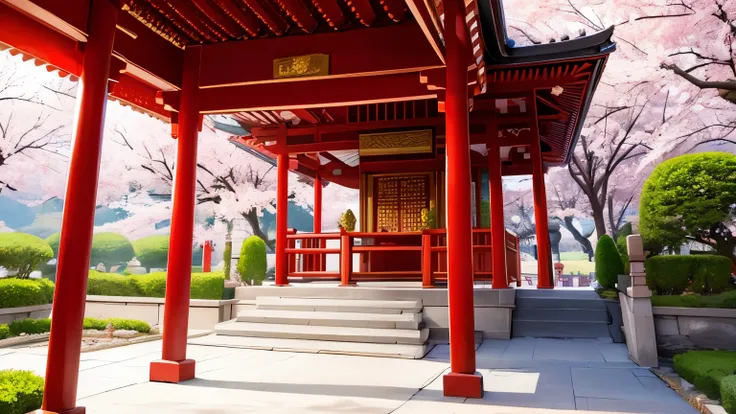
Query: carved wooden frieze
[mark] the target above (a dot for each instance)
(301, 66)
(393, 143)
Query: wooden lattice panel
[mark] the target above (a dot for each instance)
(399, 203)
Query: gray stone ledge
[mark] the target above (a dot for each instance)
(697, 312)
(198, 303)
(25, 309)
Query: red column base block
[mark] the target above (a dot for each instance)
(75, 410)
(172, 371)
(545, 287)
(463, 385)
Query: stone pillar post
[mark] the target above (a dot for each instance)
(636, 309)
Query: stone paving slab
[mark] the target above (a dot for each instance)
(525, 375)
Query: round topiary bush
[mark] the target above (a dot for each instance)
(608, 264)
(111, 249)
(23, 253)
(252, 262)
(20, 391)
(152, 251)
(53, 241)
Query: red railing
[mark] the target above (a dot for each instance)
(428, 249)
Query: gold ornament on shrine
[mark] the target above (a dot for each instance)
(301, 66)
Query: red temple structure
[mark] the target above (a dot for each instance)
(416, 103)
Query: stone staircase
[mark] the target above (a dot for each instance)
(559, 314)
(390, 328)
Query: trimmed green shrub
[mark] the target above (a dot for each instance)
(252, 262)
(117, 323)
(5, 331)
(111, 249)
(23, 253)
(153, 285)
(95, 324)
(712, 273)
(227, 257)
(152, 252)
(30, 326)
(728, 394)
(347, 220)
(706, 369)
(53, 241)
(20, 391)
(608, 263)
(723, 300)
(15, 293)
(626, 230)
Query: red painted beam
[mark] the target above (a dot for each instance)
(142, 95)
(246, 20)
(363, 11)
(217, 17)
(392, 49)
(268, 15)
(331, 12)
(316, 93)
(299, 14)
(38, 40)
(73, 12)
(395, 9)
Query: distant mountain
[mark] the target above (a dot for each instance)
(298, 218)
(15, 214)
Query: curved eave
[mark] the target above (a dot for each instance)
(497, 51)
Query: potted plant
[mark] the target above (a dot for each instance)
(429, 218)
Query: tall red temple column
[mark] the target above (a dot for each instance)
(544, 263)
(463, 380)
(174, 365)
(318, 203)
(62, 368)
(498, 229)
(282, 211)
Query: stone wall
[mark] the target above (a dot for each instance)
(680, 329)
(8, 315)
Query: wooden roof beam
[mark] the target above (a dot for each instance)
(299, 14)
(269, 16)
(247, 21)
(331, 12)
(387, 50)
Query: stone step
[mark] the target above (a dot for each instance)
(559, 329)
(323, 333)
(557, 314)
(309, 346)
(338, 305)
(559, 303)
(345, 319)
(557, 293)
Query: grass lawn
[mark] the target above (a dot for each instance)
(571, 267)
(721, 300)
(568, 256)
(706, 370)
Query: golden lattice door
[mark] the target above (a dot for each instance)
(399, 201)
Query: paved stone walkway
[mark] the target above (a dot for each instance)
(520, 376)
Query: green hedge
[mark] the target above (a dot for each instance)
(728, 394)
(30, 326)
(706, 369)
(20, 392)
(152, 252)
(721, 300)
(5, 331)
(117, 323)
(203, 285)
(43, 325)
(15, 293)
(608, 264)
(671, 275)
(110, 249)
(23, 253)
(53, 241)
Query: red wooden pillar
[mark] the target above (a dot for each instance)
(463, 380)
(498, 230)
(62, 369)
(318, 203)
(282, 211)
(174, 365)
(207, 256)
(544, 264)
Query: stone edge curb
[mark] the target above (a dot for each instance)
(687, 391)
(23, 340)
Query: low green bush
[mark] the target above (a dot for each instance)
(608, 264)
(153, 285)
(23, 253)
(30, 326)
(721, 300)
(20, 392)
(706, 369)
(53, 241)
(15, 293)
(625, 231)
(110, 249)
(252, 261)
(117, 323)
(728, 394)
(672, 275)
(152, 251)
(5, 331)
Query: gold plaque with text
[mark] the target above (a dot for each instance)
(301, 66)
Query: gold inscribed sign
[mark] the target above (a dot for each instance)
(393, 143)
(298, 66)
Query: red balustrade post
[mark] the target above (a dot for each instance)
(207, 256)
(62, 367)
(282, 211)
(318, 260)
(427, 279)
(346, 259)
(463, 380)
(174, 365)
(498, 231)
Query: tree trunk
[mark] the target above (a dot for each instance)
(252, 218)
(599, 219)
(584, 242)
